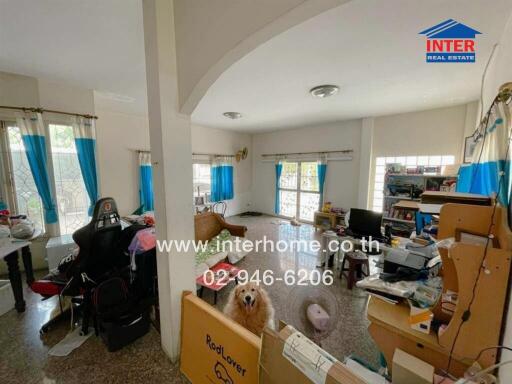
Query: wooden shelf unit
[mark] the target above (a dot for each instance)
(334, 219)
(461, 268)
(414, 184)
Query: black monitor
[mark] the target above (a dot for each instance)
(364, 223)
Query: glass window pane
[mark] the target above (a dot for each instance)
(379, 178)
(400, 160)
(379, 186)
(448, 160)
(288, 203)
(380, 170)
(201, 179)
(308, 205)
(309, 176)
(390, 160)
(289, 176)
(27, 198)
(381, 161)
(434, 160)
(72, 199)
(411, 160)
(422, 160)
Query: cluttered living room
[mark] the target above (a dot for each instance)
(288, 191)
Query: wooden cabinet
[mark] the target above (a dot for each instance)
(328, 220)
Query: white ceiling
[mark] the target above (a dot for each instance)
(370, 48)
(95, 44)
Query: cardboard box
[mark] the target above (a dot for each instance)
(214, 348)
(408, 369)
(289, 357)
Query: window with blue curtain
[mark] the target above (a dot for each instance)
(33, 135)
(489, 171)
(85, 141)
(277, 205)
(222, 179)
(146, 182)
(321, 172)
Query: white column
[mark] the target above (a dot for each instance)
(365, 163)
(171, 153)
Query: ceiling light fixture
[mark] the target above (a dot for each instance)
(323, 91)
(232, 115)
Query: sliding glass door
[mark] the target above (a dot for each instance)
(299, 190)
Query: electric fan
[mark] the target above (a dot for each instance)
(241, 154)
(313, 311)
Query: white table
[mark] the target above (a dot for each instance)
(9, 253)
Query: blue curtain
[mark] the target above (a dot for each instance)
(32, 132)
(490, 162)
(222, 180)
(279, 170)
(321, 171)
(86, 150)
(146, 182)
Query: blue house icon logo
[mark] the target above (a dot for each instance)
(450, 42)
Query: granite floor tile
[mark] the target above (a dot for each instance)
(24, 353)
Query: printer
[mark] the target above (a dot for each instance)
(415, 256)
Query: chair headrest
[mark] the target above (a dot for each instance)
(105, 214)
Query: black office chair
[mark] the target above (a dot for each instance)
(99, 258)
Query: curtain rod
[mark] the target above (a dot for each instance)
(212, 154)
(41, 110)
(307, 153)
(193, 154)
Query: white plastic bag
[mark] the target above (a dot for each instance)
(23, 229)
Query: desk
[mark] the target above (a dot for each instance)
(323, 255)
(390, 329)
(9, 253)
(484, 290)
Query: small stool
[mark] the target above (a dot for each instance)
(356, 261)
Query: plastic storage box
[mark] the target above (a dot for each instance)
(6, 297)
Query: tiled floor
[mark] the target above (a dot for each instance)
(24, 358)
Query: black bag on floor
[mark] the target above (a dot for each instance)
(119, 320)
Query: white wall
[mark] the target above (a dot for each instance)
(120, 132)
(118, 136)
(432, 132)
(18, 91)
(500, 68)
(342, 180)
(62, 97)
(211, 140)
(438, 131)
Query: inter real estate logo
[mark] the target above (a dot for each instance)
(450, 42)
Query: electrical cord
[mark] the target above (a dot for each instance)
(482, 372)
(489, 348)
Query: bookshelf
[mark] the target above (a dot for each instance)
(401, 186)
